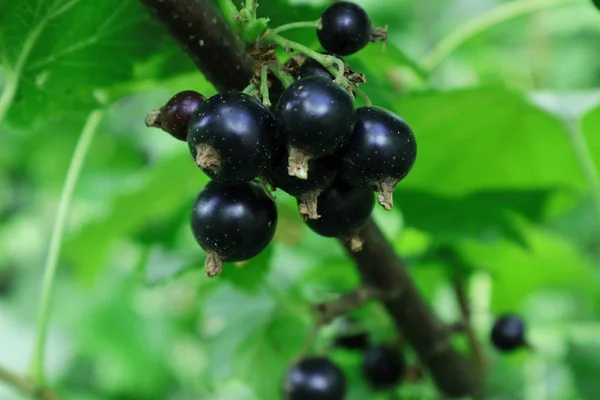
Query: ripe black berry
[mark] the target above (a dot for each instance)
(314, 378)
(174, 117)
(231, 137)
(344, 209)
(508, 333)
(312, 67)
(232, 222)
(314, 116)
(345, 28)
(380, 152)
(321, 173)
(383, 367)
(353, 341)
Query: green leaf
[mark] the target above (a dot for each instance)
(482, 215)
(550, 262)
(590, 124)
(482, 139)
(169, 185)
(57, 52)
(162, 266)
(249, 275)
(585, 366)
(264, 355)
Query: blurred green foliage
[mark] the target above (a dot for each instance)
(498, 180)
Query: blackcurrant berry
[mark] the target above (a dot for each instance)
(353, 341)
(312, 67)
(321, 173)
(383, 367)
(174, 117)
(344, 209)
(380, 152)
(231, 137)
(314, 116)
(232, 222)
(314, 378)
(345, 28)
(508, 333)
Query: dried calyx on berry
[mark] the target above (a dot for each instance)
(321, 174)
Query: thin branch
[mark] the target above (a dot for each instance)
(467, 328)
(348, 302)
(380, 267)
(25, 386)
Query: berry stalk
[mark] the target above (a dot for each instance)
(333, 64)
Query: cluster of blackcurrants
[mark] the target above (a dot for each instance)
(319, 378)
(313, 144)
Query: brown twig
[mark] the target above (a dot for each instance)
(200, 31)
(377, 263)
(467, 327)
(348, 302)
(25, 386)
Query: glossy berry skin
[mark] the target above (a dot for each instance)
(508, 333)
(239, 133)
(315, 115)
(381, 146)
(354, 341)
(321, 174)
(314, 378)
(312, 67)
(345, 28)
(383, 367)
(344, 209)
(175, 116)
(235, 221)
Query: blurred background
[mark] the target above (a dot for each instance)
(504, 198)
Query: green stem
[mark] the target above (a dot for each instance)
(81, 149)
(251, 8)
(264, 86)
(586, 161)
(285, 78)
(296, 25)
(229, 10)
(326, 60)
(482, 23)
(250, 90)
(362, 95)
